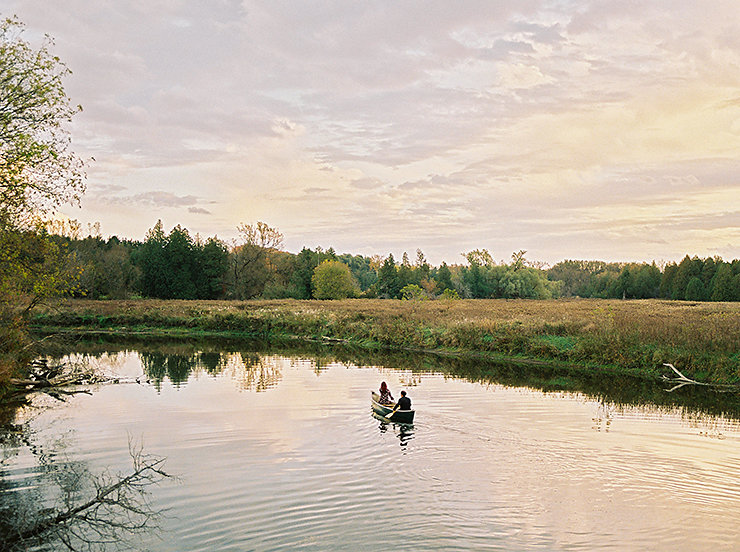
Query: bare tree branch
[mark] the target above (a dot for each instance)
(118, 509)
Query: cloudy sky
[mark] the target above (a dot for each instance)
(572, 129)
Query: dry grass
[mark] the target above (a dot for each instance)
(702, 338)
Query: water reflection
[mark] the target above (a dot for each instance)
(404, 432)
(276, 452)
(248, 363)
(251, 370)
(51, 501)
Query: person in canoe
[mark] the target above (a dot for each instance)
(404, 403)
(385, 394)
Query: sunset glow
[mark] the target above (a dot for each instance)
(588, 130)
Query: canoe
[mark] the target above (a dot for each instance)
(399, 416)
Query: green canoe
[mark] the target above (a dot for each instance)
(385, 410)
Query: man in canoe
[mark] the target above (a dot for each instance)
(404, 403)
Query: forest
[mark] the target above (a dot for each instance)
(178, 265)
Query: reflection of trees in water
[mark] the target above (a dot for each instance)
(178, 367)
(210, 355)
(251, 370)
(711, 425)
(65, 506)
(254, 372)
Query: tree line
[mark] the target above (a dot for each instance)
(178, 265)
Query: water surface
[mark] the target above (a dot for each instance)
(280, 452)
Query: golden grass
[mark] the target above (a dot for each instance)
(701, 338)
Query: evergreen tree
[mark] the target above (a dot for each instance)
(695, 290)
(212, 263)
(686, 270)
(151, 260)
(180, 268)
(305, 263)
(722, 284)
(666, 281)
(709, 267)
(388, 279)
(404, 274)
(443, 278)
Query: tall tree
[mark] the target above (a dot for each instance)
(212, 264)
(388, 279)
(695, 290)
(38, 170)
(38, 173)
(722, 283)
(250, 269)
(443, 278)
(666, 281)
(152, 261)
(405, 273)
(305, 263)
(175, 266)
(181, 268)
(687, 269)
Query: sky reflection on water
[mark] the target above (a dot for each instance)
(283, 453)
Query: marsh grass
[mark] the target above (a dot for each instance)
(702, 339)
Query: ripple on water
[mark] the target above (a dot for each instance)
(483, 468)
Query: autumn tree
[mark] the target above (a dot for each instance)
(38, 173)
(38, 170)
(250, 267)
(333, 280)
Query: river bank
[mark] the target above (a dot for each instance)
(636, 337)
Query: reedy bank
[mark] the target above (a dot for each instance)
(703, 339)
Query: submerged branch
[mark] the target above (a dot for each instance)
(53, 379)
(118, 508)
(681, 381)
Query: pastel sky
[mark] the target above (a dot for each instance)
(572, 129)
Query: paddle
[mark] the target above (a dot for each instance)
(388, 416)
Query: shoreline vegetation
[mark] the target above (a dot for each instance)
(609, 336)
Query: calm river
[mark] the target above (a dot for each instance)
(281, 452)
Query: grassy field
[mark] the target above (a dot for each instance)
(701, 339)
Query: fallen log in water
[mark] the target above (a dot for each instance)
(51, 380)
(681, 380)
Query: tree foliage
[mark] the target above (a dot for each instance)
(250, 268)
(175, 266)
(187, 267)
(333, 280)
(38, 170)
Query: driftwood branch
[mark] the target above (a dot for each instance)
(680, 377)
(681, 380)
(53, 379)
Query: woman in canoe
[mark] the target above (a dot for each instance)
(385, 394)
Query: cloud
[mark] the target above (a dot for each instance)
(565, 129)
(199, 210)
(154, 199)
